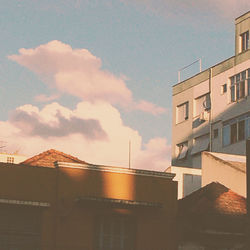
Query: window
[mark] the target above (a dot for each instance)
(181, 150)
(240, 85)
(216, 133)
(248, 82)
(115, 233)
(223, 88)
(201, 104)
(236, 130)
(182, 112)
(10, 159)
(200, 144)
(244, 41)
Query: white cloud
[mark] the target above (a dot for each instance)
(93, 132)
(45, 98)
(78, 72)
(156, 155)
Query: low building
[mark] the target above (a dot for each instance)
(212, 218)
(56, 201)
(188, 179)
(12, 158)
(227, 169)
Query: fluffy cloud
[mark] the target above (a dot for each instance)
(32, 124)
(94, 132)
(156, 155)
(78, 72)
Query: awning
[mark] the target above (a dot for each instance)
(200, 145)
(118, 202)
(26, 203)
(183, 152)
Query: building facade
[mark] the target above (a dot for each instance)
(211, 110)
(227, 169)
(12, 158)
(54, 201)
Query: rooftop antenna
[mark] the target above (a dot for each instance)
(2, 144)
(179, 71)
(129, 154)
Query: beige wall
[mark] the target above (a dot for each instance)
(215, 170)
(242, 25)
(179, 177)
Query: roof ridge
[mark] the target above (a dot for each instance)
(48, 152)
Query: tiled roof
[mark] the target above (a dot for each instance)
(47, 159)
(214, 198)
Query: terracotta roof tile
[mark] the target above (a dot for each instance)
(213, 199)
(47, 159)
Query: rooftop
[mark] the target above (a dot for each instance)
(49, 157)
(214, 198)
(238, 162)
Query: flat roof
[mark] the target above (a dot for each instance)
(119, 170)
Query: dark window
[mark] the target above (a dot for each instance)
(239, 87)
(224, 88)
(244, 41)
(216, 132)
(233, 133)
(235, 130)
(241, 130)
(115, 233)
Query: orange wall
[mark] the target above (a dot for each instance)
(66, 221)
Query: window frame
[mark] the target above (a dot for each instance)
(229, 136)
(111, 235)
(185, 107)
(182, 150)
(240, 86)
(244, 41)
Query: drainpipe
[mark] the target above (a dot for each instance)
(248, 193)
(210, 113)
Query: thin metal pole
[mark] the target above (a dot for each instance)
(179, 76)
(129, 154)
(200, 64)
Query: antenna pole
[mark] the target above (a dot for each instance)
(129, 154)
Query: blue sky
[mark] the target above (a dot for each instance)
(138, 46)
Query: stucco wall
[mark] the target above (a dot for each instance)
(214, 170)
(68, 224)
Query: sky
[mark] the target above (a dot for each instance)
(88, 77)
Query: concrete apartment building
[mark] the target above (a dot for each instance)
(211, 110)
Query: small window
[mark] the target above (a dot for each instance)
(182, 112)
(233, 133)
(237, 129)
(239, 86)
(201, 104)
(115, 232)
(10, 159)
(216, 133)
(224, 88)
(181, 150)
(200, 144)
(241, 130)
(226, 135)
(244, 41)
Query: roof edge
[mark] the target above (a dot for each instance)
(119, 170)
